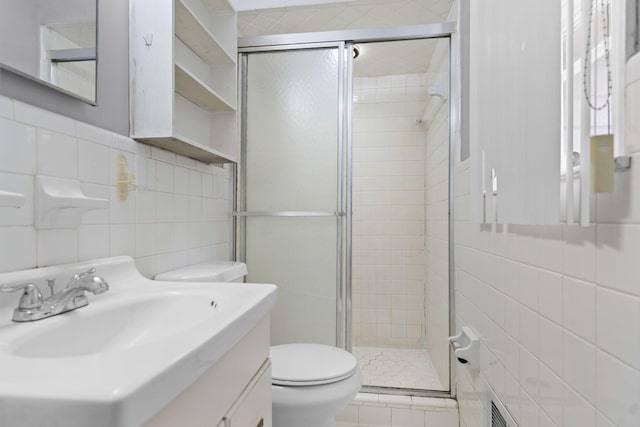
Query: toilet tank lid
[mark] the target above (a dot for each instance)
(211, 271)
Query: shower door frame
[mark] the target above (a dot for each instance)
(346, 39)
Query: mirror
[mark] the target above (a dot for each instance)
(52, 42)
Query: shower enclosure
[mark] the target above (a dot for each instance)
(343, 195)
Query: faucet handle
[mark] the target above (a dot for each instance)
(31, 297)
(80, 276)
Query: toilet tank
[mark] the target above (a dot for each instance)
(211, 271)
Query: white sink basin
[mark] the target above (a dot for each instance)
(119, 360)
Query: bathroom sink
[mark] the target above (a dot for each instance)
(119, 360)
(119, 324)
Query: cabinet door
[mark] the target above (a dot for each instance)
(253, 408)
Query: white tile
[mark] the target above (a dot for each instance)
(580, 366)
(407, 418)
(529, 410)
(122, 239)
(6, 107)
(165, 262)
(617, 262)
(181, 208)
(374, 416)
(181, 180)
(618, 391)
(164, 207)
(146, 240)
(181, 239)
(145, 173)
(577, 411)
(97, 135)
(195, 208)
(551, 395)
(122, 211)
(116, 158)
(164, 155)
(93, 242)
(349, 414)
(195, 183)
(57, 247)
(207, 185)
(180, 259)
(17, 147)
(550, 296)
(57, 155)
(164, 177)
(29, 114)
(617, 323)
(146, 205)
(147, 266)
(166, 237)
(441, 419)
(579, 252)
(17, 248)
(96, 216)
(579, 308)
(551, 345)
(529, 373)
(21, 184)
(93, 164)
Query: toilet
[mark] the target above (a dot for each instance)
(310, 383)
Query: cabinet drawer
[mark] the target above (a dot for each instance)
(253, 407)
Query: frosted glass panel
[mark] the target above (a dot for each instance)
(292, 130)
(290, 163)
(299, 255)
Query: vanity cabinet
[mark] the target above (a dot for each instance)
(234, 392)
(183, 77)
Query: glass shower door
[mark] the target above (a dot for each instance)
(290, 209)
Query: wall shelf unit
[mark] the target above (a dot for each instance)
(183, 80)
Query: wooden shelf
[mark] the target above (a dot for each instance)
(183, 82)
(184, 146)
(198, 92)
(195, 34)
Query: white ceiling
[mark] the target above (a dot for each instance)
(334, 15)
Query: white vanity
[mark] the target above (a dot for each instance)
(144, 353)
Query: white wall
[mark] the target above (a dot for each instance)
(558, 307)
(179, 214)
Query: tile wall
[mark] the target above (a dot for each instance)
(382, 410)
(179, 214)
(558, 307)
(388, 211)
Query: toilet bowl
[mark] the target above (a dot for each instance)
(311, 383)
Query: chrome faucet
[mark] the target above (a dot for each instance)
(32, 306)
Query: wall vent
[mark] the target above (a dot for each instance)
(497, 414)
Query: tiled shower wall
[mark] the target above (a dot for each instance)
(388, 211)
(558, 307)
(437, 216)
(179, 213)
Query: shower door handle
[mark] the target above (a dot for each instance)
(289, 213)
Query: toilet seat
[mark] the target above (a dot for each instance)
(302, 365)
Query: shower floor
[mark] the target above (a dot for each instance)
(397, 368)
